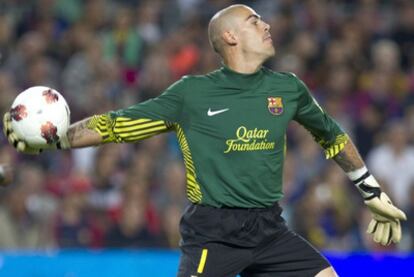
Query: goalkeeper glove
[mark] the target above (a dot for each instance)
(385, 225)
(21, 146)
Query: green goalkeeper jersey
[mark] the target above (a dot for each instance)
(231, 128)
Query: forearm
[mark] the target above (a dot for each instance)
(353, 165)
(80, 135)
(349, 158)
(102, 128)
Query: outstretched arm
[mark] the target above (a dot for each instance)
(78, 135)
(103, 128)
(93, 131)
(137, 122)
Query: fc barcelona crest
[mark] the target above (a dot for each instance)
(275, 105)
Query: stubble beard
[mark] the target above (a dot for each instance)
(269, 54)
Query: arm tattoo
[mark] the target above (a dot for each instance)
(349, 159)
(80, 135)
(76, 130)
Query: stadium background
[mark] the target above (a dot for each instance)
(356, 56)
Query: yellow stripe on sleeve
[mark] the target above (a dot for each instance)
(123, 129)
(336, 147)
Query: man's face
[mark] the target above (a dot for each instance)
(253, 34)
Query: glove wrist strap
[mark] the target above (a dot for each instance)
(365, 183)
(356, 174)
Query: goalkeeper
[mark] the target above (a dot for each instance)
(231, 126)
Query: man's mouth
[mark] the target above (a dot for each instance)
(268, 38)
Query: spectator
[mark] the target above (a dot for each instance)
(124, 45)
(21, 227)
(72, 226)
(132, 231)
(393, 156)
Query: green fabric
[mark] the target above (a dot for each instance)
(238, 154)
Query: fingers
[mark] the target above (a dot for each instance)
(385, 237)
(16, 142)
(379, 232)
(11, 136)
(396, 231)
(393, 213)
(13, 139)
(385, 232)
(6, 123)
(20, 145)
(399, 215)
(372, 226)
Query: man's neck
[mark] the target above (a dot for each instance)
(241, 64)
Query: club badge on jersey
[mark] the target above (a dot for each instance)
(275, 105)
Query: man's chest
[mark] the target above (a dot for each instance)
(261, 115)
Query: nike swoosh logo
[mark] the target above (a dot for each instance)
(211, 113)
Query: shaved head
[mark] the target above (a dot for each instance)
(239, 35)
(221, 22)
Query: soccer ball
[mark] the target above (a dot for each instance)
(40, 116)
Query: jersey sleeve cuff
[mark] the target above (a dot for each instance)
(103, 125)
(332, 149)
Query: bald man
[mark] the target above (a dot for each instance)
(231, 126)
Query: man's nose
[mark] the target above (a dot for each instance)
(266, 27)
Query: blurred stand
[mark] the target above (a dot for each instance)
(356, 56)
(6, 175)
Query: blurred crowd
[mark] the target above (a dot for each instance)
(357, 57)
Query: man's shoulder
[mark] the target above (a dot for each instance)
(287, 80)
(280, 74)
(198, 77)
(187, 83)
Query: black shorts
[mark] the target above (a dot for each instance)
(224, 242)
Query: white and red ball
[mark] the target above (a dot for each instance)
(40, 116)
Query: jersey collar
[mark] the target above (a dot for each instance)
(244, 79)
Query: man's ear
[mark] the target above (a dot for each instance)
(229, 38)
